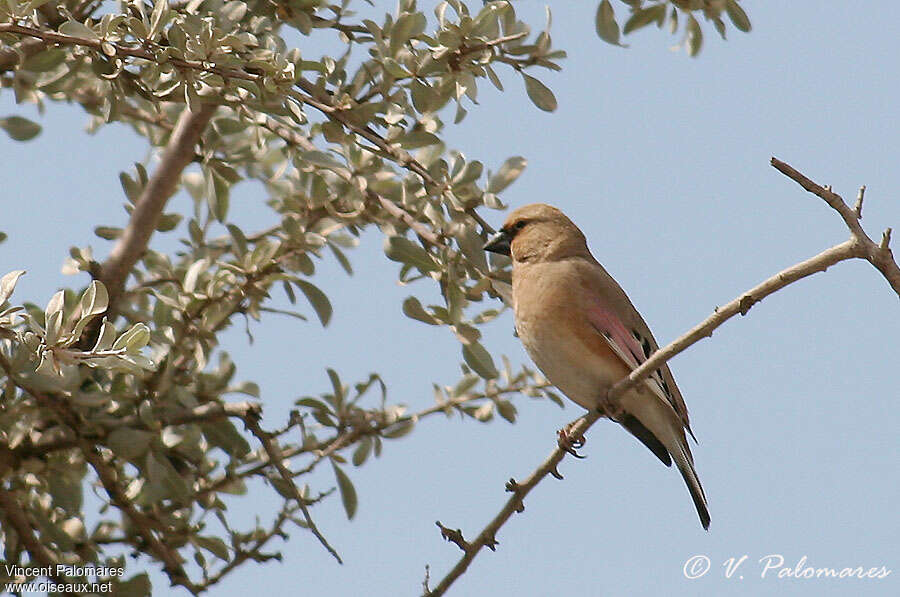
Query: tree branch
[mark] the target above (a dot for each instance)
(859, 246)
(149, 206)
(878, 254)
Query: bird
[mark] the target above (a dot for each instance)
(584, 334)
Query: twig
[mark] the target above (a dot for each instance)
(277, 458)
(878, 254)
(859, 246)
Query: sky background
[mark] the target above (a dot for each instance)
(663, 161)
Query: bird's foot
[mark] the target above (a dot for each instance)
(568, 442)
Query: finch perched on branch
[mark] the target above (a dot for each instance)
(582, 331)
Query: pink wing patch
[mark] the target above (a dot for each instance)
(623, 342)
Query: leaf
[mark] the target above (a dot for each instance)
(737, 15)
(134, 339)
(128, 443)
(362, 451)
(213, 545)
(400, 248)
(192, 274)
(76, 29)
(607, 28)
(347, 491)
(480, 360)
(136, 586)
(223, 434)
(8, 284)
(95, 299)
(507, 410)
(108, 232)
(511, 169)
(20, 129)
(644, 17)
(539, 94)
(165, 482)
(317, 299)
(413, 309)
(395, 431)
(322, 159)
(695, 36)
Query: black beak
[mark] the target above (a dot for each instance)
(499, 243)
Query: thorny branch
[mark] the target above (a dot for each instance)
(859, 246)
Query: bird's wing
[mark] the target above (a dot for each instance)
(627, 345)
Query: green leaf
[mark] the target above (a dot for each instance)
(413, 309)
(213, 545)
(317, 299)
(108, 232)
(322, 159)
(644, 17)
(223, 434)
(128, 443)
(539, 94)
(168, 222)
(165, 482)
(400, 248)
(737, 15)
(507, 410)
(76, 29)
(607, 28)
(8, 284)
(362, 451)
(396, 430)
(136, 586)
(347, 491)
(695, 36)
(511, 169)
(20, 129)
(480, 360)
(134, 339)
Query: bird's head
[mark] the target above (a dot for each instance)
(538, 232)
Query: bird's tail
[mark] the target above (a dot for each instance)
(660, 429)
(685, 464)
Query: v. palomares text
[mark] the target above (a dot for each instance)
(774, 566)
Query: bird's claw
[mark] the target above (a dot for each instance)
(568, 443)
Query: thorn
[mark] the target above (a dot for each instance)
(569, 444)
(857, 209)
(556, 474)
(512, 486)
(747, 301)
(453, 536)
(885, 240)
(491, 543)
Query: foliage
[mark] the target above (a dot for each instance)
(123, 387)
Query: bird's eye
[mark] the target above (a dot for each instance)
(519, 225)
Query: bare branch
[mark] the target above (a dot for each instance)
(277, 458)
(878, 254)
(149, 206)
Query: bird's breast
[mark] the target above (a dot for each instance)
(557, 335)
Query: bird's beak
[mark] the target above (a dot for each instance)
(498, 243)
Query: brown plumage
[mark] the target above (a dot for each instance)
(582, 331)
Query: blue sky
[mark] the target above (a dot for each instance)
(662, 160)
